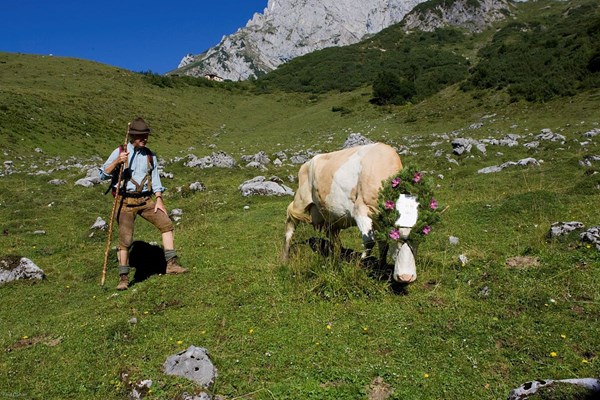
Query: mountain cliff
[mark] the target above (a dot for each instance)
(291, 28)
(474, 16)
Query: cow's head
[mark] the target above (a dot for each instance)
(405, 269)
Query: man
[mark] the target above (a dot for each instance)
(140, 180)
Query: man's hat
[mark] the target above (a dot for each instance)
(138, 127)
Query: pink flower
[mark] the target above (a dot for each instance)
(433, 204)
(395, 234)
(417, 177)
(396, 182)
(389, 205)
(426, 230)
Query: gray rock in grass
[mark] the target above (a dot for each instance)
(563, 228)
(194, 364)
(260, 186)
(13, 268)
(591, 235)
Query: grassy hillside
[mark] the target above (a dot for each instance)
(316, 328)
(544, 49)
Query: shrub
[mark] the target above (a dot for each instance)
(388, 88)
(536, 63)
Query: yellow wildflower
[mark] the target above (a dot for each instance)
(553, 354)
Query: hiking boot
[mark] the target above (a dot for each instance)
(123, 282)
(173, 267)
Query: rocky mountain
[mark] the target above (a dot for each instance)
(473, 16)
(291, 28)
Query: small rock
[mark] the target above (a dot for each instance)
(99, 224)
(356, 139)
(197, 186)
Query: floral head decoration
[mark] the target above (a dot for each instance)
(410, 181)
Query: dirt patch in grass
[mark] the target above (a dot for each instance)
(31, 341)
(379, 390)
(522, 262)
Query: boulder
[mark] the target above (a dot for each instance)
(194, 364)
(13, 268)
(259, 158)
(260, 186)
(218, 159)
(564, 228)
(197, 187)
(547, 134)
(299, 159)
(530, 388)
(591, 235)
(592, 133)
(496, 168)
(587, 160)
(355, 139)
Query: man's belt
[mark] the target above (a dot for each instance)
(136, 195)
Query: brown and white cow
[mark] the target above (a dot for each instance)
(338, 190)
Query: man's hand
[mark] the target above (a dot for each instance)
(160, 205)
(123, 157)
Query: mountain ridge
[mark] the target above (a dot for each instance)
(290, 28)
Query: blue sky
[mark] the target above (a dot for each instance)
(132, 34)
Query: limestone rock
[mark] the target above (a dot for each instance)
(99, 224)
(197, 187)
(356, 139)
(530, 388)
(563, 228)
(13, 268)
(194, 364)
(218, 159)
(260, 186)
(591, 235)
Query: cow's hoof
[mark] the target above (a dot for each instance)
(405, 278)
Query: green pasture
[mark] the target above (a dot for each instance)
(316, 328)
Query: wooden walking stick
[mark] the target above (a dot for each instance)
(114, 209)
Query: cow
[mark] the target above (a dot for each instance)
(340, 189)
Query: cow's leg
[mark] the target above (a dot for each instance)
(383, 250)
(333, 237)
(290, 227)
(365, 226)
